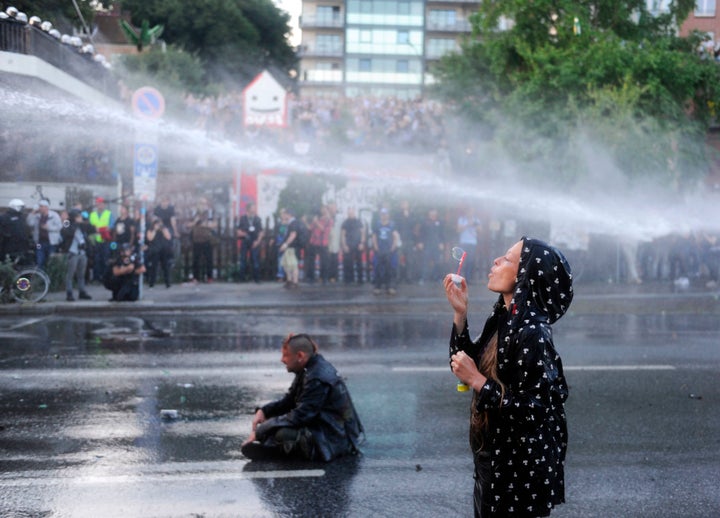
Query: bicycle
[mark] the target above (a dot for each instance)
(22, 283)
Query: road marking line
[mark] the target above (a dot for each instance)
(566, 367)
(619, 368)
(159, 477)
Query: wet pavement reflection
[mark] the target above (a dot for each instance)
(129, 415)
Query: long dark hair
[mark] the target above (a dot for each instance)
(478, 417)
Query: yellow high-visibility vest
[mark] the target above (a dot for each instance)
(103, 220)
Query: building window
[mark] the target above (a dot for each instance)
(445, 18)
(438, 47)
(328, 43)
(402, 66)
(366, 6)
(403, 7)
(365, 36)
(328, 13)
(403, 37)
(364, 65)
(705, 7)
(658, 6)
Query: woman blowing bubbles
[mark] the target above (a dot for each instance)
(518, 431)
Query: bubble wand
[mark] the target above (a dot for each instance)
(459, 255)
(462, 260)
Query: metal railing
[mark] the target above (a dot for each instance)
(21, 38)
(321, 50)
(448, 26)
(314, 21)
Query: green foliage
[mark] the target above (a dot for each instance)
(173, 71)
(625, 78)
(7, 273)
(56, 269)
(303, 193)
(235, 39)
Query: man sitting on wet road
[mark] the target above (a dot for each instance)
(315, 420)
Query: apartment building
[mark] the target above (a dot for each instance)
(377, 47)
(387, 47)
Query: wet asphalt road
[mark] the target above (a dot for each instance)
(83, 387)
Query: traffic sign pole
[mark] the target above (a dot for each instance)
(148, 104)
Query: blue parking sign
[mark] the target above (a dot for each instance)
(145, 171)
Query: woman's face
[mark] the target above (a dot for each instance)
(501, 278)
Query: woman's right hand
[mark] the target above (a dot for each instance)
(457, 297)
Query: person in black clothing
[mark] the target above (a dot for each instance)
(250, 232)
(315, 420)
(125, 229)
(432, 245)
(159, 252)
(352, 242)
(15, 239)
(518, 428)
(166, 212)
(124, 276)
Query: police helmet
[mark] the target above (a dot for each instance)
(16, 204)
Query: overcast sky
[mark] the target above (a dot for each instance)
(293, 7)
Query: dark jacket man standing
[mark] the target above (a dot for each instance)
(315, 420)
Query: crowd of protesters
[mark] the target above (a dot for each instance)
(360, 123)
(383, 249)
(405, 243)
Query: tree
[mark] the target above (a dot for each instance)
(235, 39)
(169, 69)
(303, 193)
(607, 71)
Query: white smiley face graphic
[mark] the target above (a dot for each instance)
(265, 102)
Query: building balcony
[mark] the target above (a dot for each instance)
(311, 21)
(377, 78)
(320, 51)
(322, 76)
(446, 2)
(444, 26)
(438, 53)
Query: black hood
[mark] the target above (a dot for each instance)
(543, 287)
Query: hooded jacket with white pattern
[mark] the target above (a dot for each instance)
(526, 435)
